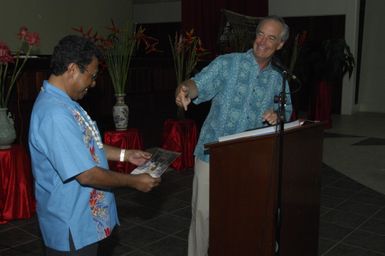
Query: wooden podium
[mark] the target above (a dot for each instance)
(244, 187)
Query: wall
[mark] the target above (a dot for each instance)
(54, 19)
(372, 91)
(165, 11)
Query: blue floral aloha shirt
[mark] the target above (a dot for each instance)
(65, 142)
(240, 92)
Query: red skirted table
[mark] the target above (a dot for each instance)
(322, 108)
(128, 139)
(180, 136)
(17, 199)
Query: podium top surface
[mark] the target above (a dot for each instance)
(271, 132)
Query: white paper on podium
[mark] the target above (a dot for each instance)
(260, 131)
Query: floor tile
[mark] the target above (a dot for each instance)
(367, 240)
(347, 250)
(375, 226)
(32, 248)
(168, 224)
(344, 219)
(333, 231)
(169, 246)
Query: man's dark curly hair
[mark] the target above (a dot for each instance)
(73, 49)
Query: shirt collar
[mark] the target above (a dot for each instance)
(251, 56)
(48, 87)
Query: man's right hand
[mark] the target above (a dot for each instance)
(182, 97)
(144, 182)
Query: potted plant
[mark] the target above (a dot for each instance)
(11, 67)
(187, 51)
(118, 47)
(331, 62)
(334, 60)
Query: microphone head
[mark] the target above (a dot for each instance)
(280, 67)
(276, 62)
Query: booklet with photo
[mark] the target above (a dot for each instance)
(160, 160)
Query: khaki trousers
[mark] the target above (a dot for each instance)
(198, 239)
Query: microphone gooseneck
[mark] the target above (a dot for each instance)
(280, 67)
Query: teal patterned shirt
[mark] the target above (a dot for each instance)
(239, 92)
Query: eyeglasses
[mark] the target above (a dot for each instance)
(93, 76)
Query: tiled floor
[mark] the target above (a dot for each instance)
(352, 217)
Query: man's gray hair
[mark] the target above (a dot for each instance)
(285, 33)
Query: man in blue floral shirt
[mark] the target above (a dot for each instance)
(242, 88)
(75, 205)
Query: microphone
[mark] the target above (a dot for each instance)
(280, 67)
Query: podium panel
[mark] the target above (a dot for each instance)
(244, 179)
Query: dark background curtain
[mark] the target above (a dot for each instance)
(205, 16)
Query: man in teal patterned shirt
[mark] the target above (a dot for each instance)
(242, 88)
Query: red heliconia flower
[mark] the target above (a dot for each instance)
(114, 29)
(199, 47)
(22, 33)
(119, 43)
(180, 43)
(5, 54)
(187, 50)
(32, 38)
(6, 85)
(152, 48)
(89, 32)
(79, 29)
(190, 35)
(140, 35)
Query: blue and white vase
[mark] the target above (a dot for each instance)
(7, 129)
(120, 113)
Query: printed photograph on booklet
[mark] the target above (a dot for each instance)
(160, 160)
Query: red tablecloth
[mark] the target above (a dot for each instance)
(129, 139)
(17, 199)
(322, 109)
(180, 136)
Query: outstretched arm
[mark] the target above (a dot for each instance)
(102, 178)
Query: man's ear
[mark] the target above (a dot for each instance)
(72, 70)
(72, 67)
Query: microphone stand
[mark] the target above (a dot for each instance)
(282, 117)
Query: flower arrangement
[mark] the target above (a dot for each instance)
(8, 77)
(186, 50)
(118, 48)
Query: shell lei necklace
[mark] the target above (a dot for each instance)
(90, 126)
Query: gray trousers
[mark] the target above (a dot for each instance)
(198, 239)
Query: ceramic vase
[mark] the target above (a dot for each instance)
(120, 113)
(7, 129)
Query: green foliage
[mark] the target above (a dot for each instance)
(333, 60)
(118, 58)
